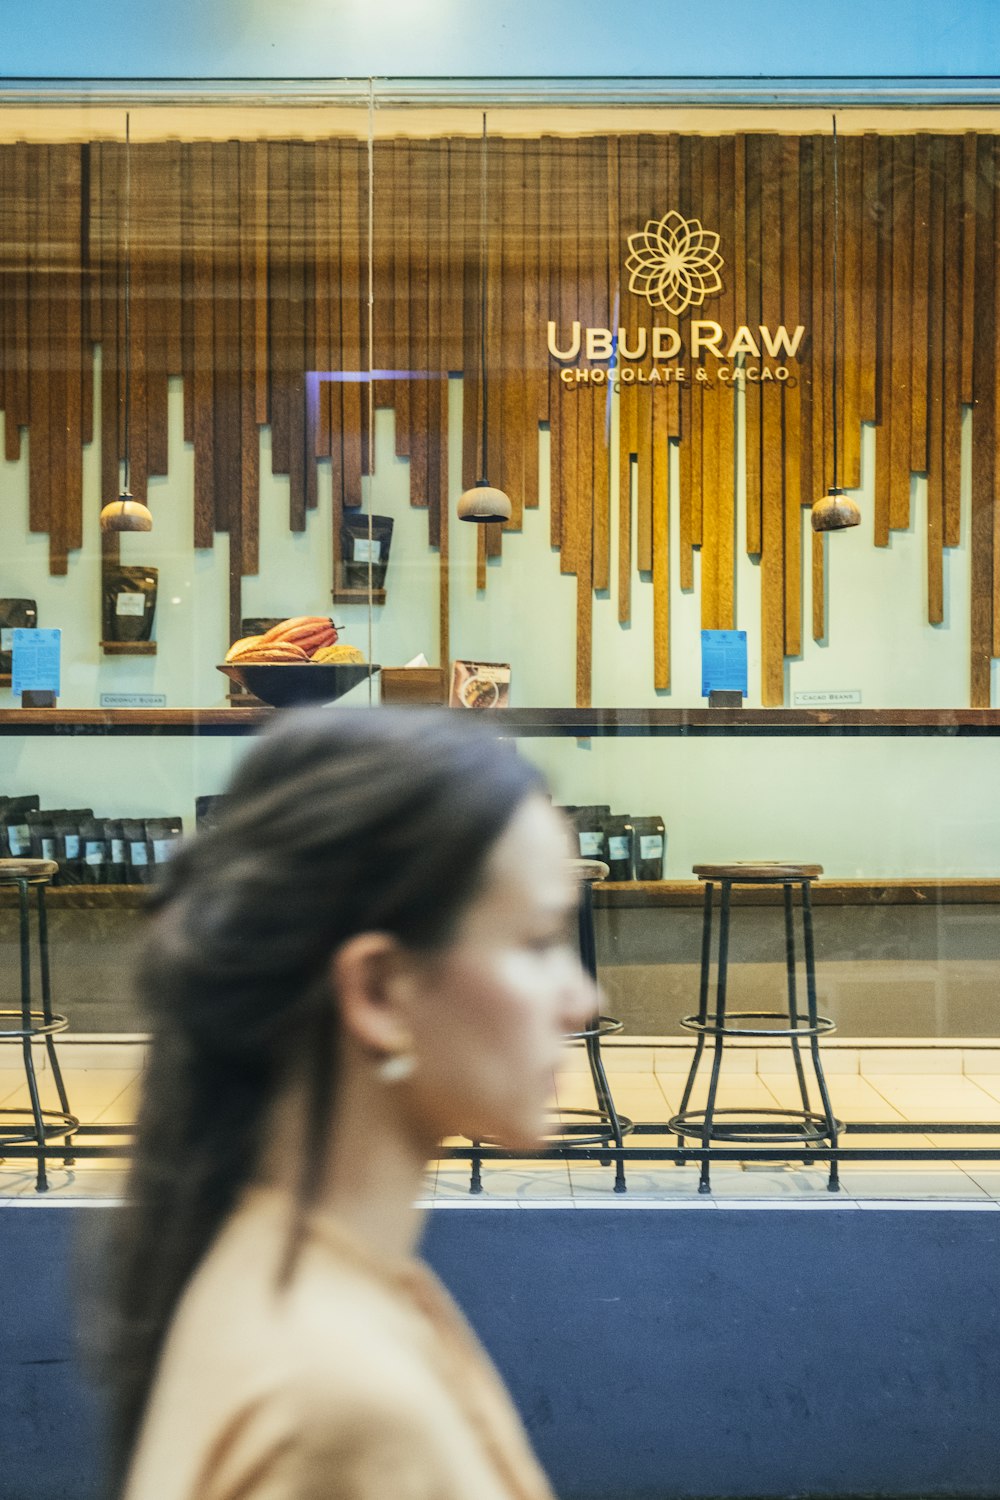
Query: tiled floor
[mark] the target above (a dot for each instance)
(937, 1085)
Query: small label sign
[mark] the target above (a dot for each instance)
(723, 661)
(831, 698)
(133, 700)
(36, 661)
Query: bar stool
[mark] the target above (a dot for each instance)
(603, 1125)
(801, 1125)
(26, 875)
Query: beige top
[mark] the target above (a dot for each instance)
(360, 1381)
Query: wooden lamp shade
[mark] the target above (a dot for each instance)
(126, 514)
(484, 503)
(835, 512)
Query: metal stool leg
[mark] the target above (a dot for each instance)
(476, 1173)
(793, 1014)
(41, 1179)
(605, 1103)
(704, 1185)
(50, 1046)
(706, 959)
(807, 931)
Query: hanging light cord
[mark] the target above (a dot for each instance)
(482, 305)
(836, 232)
(128, 299)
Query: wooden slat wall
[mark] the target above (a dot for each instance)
(249, 269)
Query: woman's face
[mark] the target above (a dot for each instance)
(488, 1014)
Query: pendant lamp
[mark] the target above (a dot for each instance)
(126, 514)
(836, 511)
(483, 502)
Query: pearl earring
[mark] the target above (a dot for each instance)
(395, 1068)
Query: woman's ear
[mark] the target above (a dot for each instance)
(365, 973)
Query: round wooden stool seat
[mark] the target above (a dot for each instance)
(27, 869)
(753, 870)
(590, 869)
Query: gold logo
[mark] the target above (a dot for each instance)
(674, 263)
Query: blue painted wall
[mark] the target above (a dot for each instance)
(435, 38)
(653, 1352)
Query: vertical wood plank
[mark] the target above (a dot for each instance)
(626, 214)
(534, 321)
(203, 340)
(725, 401)
(508, 324)
(772, 508)
(951, 457)
(86, 308)
(352, 285)
(401, 291)
(39, 487)
(110, 333)
(902, 331)
(565, 478)
(278, 228)
(935, 392)
(187, 286)
(808, 381)
(227, 445)
(871, 210)
(52, 455)
(884, 355)
(159, 234)
(76, 353)
(983, 430)
(791, 398)
(298, 444)
(419, 283)
(969, 220)
(708, 400)
(850, 202)
(249, 244)
(919, 314)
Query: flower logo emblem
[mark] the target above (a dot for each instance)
(674, 263)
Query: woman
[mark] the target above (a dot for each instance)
(371, 951)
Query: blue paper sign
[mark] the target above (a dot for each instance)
(35, 665)
(723, 661)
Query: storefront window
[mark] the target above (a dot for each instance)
(690, 319)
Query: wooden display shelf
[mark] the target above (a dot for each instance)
(912, 891)
(357, 596)
(633, 894)
(578, 723)
(85, 897)
(129, 648)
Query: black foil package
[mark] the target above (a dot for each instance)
(129, 602)
(15, 832)
(94, 851)
(647, 848)
(356, 549)
(69, 847)
(116, 868)
(15, 614)
(208, 810)
(43, 832)
(138, 870)
(589, 825)
(618, 845)
(162, 837)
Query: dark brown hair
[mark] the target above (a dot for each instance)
(338, 822)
